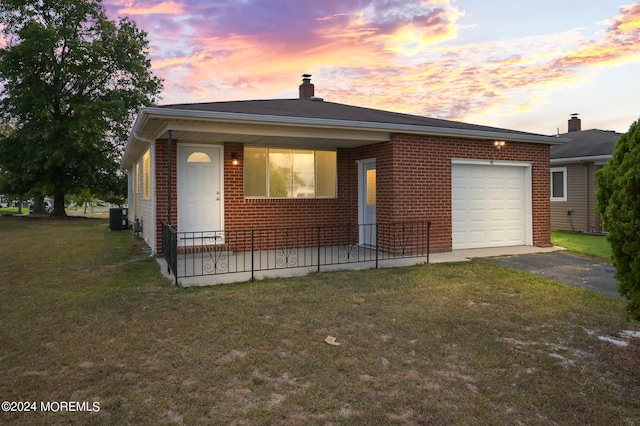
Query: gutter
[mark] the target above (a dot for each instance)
(139, 123)
(165, 113)
(140, 138)
(592, 158)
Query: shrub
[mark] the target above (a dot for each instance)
(618, 204)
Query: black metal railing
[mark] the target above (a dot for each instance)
(170, 248)
(192, 254)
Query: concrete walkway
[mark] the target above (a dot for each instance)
(563, 267)
(454, 256)
(469, 254)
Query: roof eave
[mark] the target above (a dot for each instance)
(584, 159)
(141, 120)
(168, 113)
(147, 113)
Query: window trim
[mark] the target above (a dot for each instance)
(146, 174)
(564, 183)
(137, 177)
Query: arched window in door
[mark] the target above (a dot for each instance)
(198, 157)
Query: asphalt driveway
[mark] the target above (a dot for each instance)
(565, 268)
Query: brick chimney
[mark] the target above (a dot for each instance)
(306, 88)
(574, 123)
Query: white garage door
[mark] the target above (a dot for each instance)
(489, 205)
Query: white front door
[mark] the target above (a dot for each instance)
(200, 198)
(367, 202)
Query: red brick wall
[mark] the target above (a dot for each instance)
(413, 184)
(161, 179)
(241, 213)
(420, 178)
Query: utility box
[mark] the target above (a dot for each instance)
(118, 220)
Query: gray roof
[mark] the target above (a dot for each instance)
(319, 109)
(586, 143)
(299, 123)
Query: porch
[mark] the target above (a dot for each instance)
(215, 257)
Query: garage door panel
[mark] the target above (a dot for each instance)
(478, 237)
(488, 206)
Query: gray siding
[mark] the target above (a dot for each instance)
(580, 200)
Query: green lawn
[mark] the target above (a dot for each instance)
(87, 318)
(594, 246)
(13, 210)
(73, 211)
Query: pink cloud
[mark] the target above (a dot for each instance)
(620, 44)
(378, 53)
(466, 80)
(134, 8)
(627, 21)
(268, 42)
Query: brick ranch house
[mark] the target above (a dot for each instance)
(308, 162)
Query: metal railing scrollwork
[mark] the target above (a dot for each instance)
(192, 254)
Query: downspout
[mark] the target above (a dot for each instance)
(587, 196)
(169, 177)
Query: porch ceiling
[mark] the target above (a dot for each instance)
(261, 134)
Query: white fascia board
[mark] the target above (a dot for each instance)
(141, 120)
(270, 130)
(167, 113)
(594, 158)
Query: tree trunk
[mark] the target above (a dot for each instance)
(58, 206)
(38, 204)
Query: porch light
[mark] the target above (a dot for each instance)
(499, 144)
(234, 158)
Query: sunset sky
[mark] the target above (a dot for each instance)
(524, 65)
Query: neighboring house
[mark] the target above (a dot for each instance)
(306, 162)
(573, 184)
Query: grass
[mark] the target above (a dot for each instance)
(593, 246)
(85, 317)
(72, 211)
(13, 210)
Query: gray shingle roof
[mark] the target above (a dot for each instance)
(586, 143)
(318, 109)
